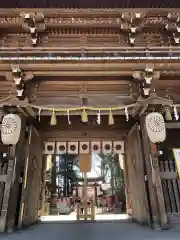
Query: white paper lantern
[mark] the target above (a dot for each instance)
(10, 129)
(155, 127)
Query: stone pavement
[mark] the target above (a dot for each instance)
(91, 231)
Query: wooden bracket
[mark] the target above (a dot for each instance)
(34, 24)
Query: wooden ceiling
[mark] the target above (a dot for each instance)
(88, 4)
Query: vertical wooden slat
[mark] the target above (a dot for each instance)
(165, 189)
(175, 188)
(171, 193)
(158, 186)
(43, 192)
(136, 177)
(152, 190)
(7, 189)
(159, 213)
(25, 179)
(126, 183)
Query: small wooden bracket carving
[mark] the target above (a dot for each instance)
(133, 23)
(173, 28)
(34, 24)
(19, 79)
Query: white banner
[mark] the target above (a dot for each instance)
(49, 148)
(61, 148)
(107, 147)
(73, 147)
(118, 147)
(96, 147)
(84, 147)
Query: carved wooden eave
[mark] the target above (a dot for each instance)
(69, 26)
(153, 100)
(70, 54)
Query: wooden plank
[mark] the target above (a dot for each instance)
(22, 204)
(172, 125)
(175, 187)
(7, 189)
(165, 186)
(4, 178)
(158, 185)
(168, 175)
(170, 189)
(85, 162)
(159, 215)
(138, 199)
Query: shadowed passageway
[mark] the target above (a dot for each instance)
(91, 231)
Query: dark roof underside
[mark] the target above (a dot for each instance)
(90, 4)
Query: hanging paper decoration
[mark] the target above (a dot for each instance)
(99, 117)
(53, 119)
(61, 148)
(68, 116)
(39, 115)
(49, 148)
(73, 148)
(118, 147)
(49, 163)
(176, 115)
(155, 127)
(126, 114)
(168, 116)
(84, 147)
(10, 129)
(84, 116)
(107, 147)
(96, 147)
(111, 119)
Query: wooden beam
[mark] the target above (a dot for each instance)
(98, 66)
(173, 125)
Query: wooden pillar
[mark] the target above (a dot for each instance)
(43, 187)
(25, 178)
(158, 211)
(85, 197)
(126, 183)
(7, 189)
(95, 193)
(159, 191)
(53, 171)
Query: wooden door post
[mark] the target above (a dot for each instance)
(7, 189)
(157, 183)
(158, 211)
(25, 179)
